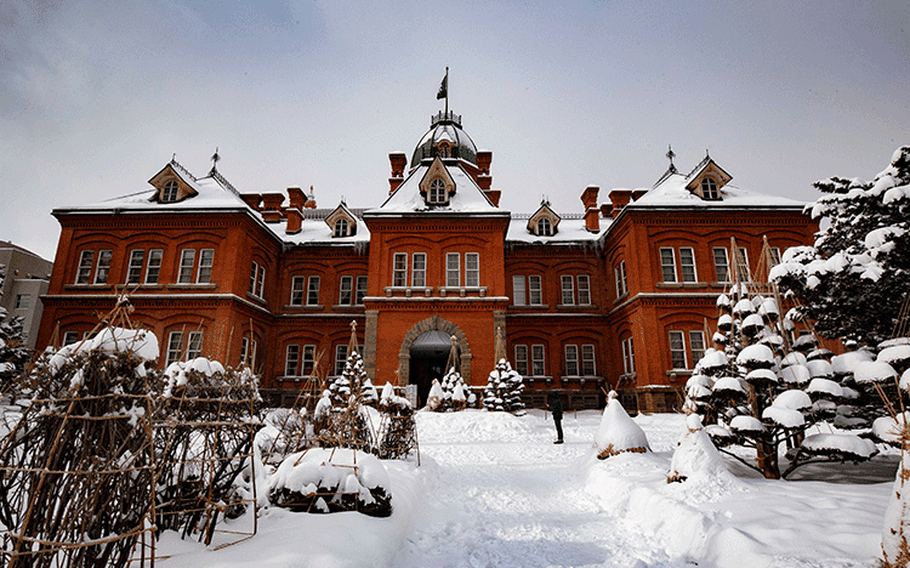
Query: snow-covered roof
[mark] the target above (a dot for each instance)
(468, 197)
(671, 192)
(570, 230)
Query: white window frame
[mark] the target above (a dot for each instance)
(345, 290)
(248, 351)
(174, 347)
(544, 227)
(153, 267)
(360, 291)
(696, 338)
(341, 358)
(341, 228)
(308, 360)
(775, 255)
(453, 270)
(134, 268)
(725, 265)
(567, 287)
(588, 363)
(571, 359)
(419, 269)
(194, 345)
(70, 337)
(538, 360)
(23, 301)
(518, 291)
(535, 288)
(298, 290)
(584, 289)
(103, 266)
(436, 193)
(740, 268)
(666, 268)
(628, 356)
(472, 269)
(619, 274)
(521, 359)
(400, 269)
(292, 360)
(169, 192)
(187, 262)
(312, 290)
(84, 268)
(206, 263)
(677, 342)
(709, 189)
(687, 269)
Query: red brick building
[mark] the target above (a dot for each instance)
(616, 295)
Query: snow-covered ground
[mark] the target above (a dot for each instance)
(493, 490)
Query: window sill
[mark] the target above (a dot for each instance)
(463, 291)
(87, 287)
(255, 298)
(576, 306)
(529, 306)
(621, 299)
(339, 307)
(304, 307)
(204, 286)
(140, 287)
(408, 291)
(678, 285)
(544, 378)
(675, 372)
(582, 379)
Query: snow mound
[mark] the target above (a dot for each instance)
(695, 455)
(617, 432)
(873, 372)
(845, 446)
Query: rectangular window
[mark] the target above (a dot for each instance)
(104, 266)
(619, 274)
(297, 284)
(206, 261)
(588, 366)
(571, 360)
(187, 259)
(538, 361)
(153, 270)
(260, 282)
(742, 265)
(309, 360)
(254, 272)
(248, 351)
(400, 270)
(584, 289)
(134, 270)
(472, 269)
(86, 258)
(687, 264)
(521, 360)
(174, 347)
(668, 264)
(194, 345)
(361, 290)
(453, 270)
(697, 345)
(721, 264)
(535, 296)
(22, 301)
(419, 270)
(775, 255)
(345, 294)
(568, 290)
(341, 357)
(70, 337)
(628, 356)
(677, 350)
(518, 291)
(312, 293)
(291, 360)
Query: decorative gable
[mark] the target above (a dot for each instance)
(342, 222)
(437, 185)
(173, 184)
(544, 221)
(707, 179)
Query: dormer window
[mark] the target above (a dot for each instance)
(341, 228)
(544, 227)
(169, 192)
(709, 189)
(437, 193)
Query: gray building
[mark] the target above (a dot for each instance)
(26, 279)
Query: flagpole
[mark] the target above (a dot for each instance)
(447, 93)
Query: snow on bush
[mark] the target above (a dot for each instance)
(695, 455)
(504, 388)
(329, 480)
(617, 432)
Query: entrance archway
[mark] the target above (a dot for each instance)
(425, 350)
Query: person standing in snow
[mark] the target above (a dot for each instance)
(556, 409)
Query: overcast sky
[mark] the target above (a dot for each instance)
(95, 97)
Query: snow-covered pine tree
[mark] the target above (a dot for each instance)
(14, 355)
(852, 281)
(504, 388)
(453, 389)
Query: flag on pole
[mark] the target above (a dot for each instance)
(444, 87)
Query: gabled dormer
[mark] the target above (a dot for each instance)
(707, 179)
(437, 185)
(342, 222)
(544, 221)
(173, 184)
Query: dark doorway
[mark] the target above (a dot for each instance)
(429, 355)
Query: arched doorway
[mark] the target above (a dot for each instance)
(429, 355)
(425, 350)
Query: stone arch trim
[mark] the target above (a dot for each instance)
(434, 323)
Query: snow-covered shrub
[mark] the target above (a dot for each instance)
(398, 430)
(14, 355)
(695, 454)
(617, 432)
(332, 480)
(504, 388)
(436, 397)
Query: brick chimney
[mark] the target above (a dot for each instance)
(271, 207)
(398, 162)
(295, 221)
(619, 198)
(484, 179)
(592, 212)
(251, 199)
(297, 197)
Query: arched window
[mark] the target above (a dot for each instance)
(169, 193)
(437, 191)
(544, 227)
(709, 189)
(341, 227)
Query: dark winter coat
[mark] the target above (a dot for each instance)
(556, 407)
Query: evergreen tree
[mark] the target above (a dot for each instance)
(854, 278)
(504, 387)
(14, 355)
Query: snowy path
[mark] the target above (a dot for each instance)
(495, 502)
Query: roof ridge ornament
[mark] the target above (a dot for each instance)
(215, 159)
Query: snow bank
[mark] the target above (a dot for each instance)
(617, 432)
